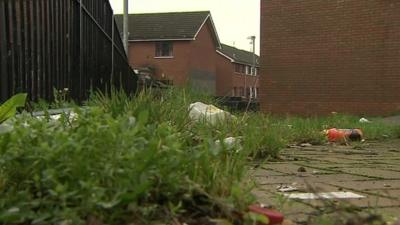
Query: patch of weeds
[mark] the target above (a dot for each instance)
(141, 159)
(122, 160)
(396, 131)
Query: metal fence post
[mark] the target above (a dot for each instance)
(80, 49)
(3, 54)
(112, 50)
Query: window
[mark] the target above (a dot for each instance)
(164, 49)
(248, 68)
(239, 68)
(241, 93)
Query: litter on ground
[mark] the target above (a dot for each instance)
(199, 111)
(324, 195)
(344, 135)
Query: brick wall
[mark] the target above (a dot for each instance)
(321, 56)
(225, 70)
(192, 61)
(228, 79)
(202, 66)
(142, 54)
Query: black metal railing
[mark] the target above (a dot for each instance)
(58, 44)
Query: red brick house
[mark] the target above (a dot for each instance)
(178, 46)
(321, 56)
(235, 73)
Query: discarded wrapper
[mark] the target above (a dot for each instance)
(342, 135)
(364, 120)
(324, 195)
(199, 111)
(231, 143)
(287, 188)
(273, 216)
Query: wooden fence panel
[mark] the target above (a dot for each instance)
(48, 45)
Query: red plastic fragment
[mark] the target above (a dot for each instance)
(274, 216)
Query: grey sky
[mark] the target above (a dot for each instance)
(235, 20)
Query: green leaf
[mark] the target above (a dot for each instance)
(143, 117)
(9, 108)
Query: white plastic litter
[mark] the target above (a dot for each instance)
(231, 143)
(287, 188)
(70, 116)
(364, 120)
(200, 111)
(324, 195)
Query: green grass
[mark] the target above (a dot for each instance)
(142, 159)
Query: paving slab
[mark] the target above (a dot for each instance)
(369, 185)
(389, 193)
(372, 171)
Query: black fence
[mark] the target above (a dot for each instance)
(239, 104)
(48, 45)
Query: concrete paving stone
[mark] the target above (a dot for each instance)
(370, 201)
(372, 172)
(389, 193)
(264, 197)
(374, 202)
(311, 179)
(278, 179)
(264, 172)
(328, 167)
(368, 185)
(379, 165)
(340, 177)
(288, 168)
(307, 154)
(300, 185)
(336, 160)
(394, 162)
(367, 157)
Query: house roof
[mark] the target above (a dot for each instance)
(238, 55)
(167, 26)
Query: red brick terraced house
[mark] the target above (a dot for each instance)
(236, 77)
(320, 56)
(179, 47)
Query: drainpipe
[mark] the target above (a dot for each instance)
(126, 25)
(253, 72)
(253, 39)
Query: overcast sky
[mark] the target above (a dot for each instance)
(235, 20)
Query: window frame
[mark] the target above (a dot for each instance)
(162, 47)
